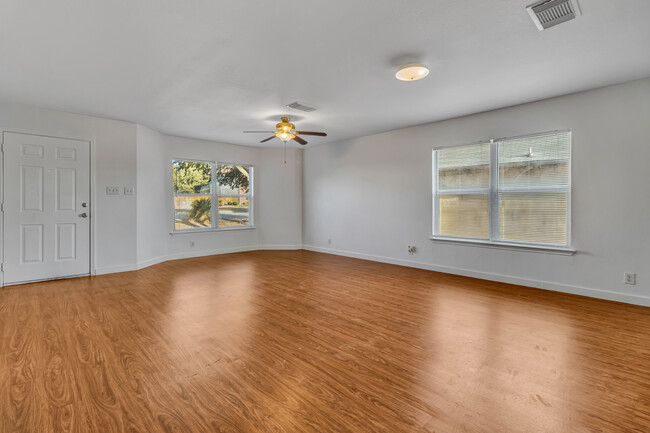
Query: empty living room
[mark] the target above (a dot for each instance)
(363, 216)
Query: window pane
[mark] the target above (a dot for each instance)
(464, 215)
(464, 167)
(234, 212)
(192, 212)
(192, 177)
(233, 179)
(534, 161)
(533, 217)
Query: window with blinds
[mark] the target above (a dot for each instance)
(512, 190)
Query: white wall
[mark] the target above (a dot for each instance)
(114, 153)
(372, 195)
(134, 231)
(152, 202)
(277, 198)
(208, 242)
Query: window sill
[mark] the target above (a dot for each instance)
(567, 251)
(194, 231)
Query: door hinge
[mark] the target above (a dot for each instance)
(2, 267)
(2, 207)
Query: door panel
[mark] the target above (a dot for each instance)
(31, 243)
(46, 181)
(66, 153)
(66, 188)
(65, 241)
(32, 150)
(31, 189)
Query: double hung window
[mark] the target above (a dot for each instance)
(514, 190)
(212, 195)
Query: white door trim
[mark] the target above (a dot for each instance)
(93, 187)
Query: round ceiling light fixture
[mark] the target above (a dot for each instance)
(412, 73)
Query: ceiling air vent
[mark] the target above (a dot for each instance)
(549, 13)
(302, 107)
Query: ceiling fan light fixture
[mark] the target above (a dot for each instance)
(412, 73)
(285, 136)
(286, 131)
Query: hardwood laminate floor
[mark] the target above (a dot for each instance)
(297, 341)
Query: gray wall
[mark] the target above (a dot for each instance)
(277, 198)
(114, 158)
(351, 189)
(133, 231)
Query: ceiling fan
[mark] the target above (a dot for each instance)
(286, 131)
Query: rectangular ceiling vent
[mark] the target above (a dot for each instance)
(302, 107)
(549, 13)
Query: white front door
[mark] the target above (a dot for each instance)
(46, 207)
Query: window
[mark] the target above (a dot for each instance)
(211, 195)
(508, 191)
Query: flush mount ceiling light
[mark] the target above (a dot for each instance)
(412, 73)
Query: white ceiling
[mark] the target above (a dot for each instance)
(213, 68)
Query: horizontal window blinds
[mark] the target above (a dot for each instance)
(533, 188)
(464, 186)
(512, 190)
(466, 167)
(534, 162)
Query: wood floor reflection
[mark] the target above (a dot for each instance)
(296, 341)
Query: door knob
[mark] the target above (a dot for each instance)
(84, 204)
(83, 215)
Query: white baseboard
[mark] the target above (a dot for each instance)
(192, 254)
(545, 285)
(114, 269)
(151, 262)
(279, 247)
(177, 256)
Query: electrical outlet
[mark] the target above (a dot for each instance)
(329, 241)
(411, 250)
(191, 244)
(629, 278)
(129, 190)
(112, 190)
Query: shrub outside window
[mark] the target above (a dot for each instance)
(212, 195)
(515, 190)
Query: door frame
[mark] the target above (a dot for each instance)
(93, 206)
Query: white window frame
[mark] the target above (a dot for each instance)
(214, 198)
(492, 192)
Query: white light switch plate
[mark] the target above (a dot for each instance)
(112, 190)
(129, 190)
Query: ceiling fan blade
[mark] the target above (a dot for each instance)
(320, 134)
(299, 140)
(267, 139)
(258, 132)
